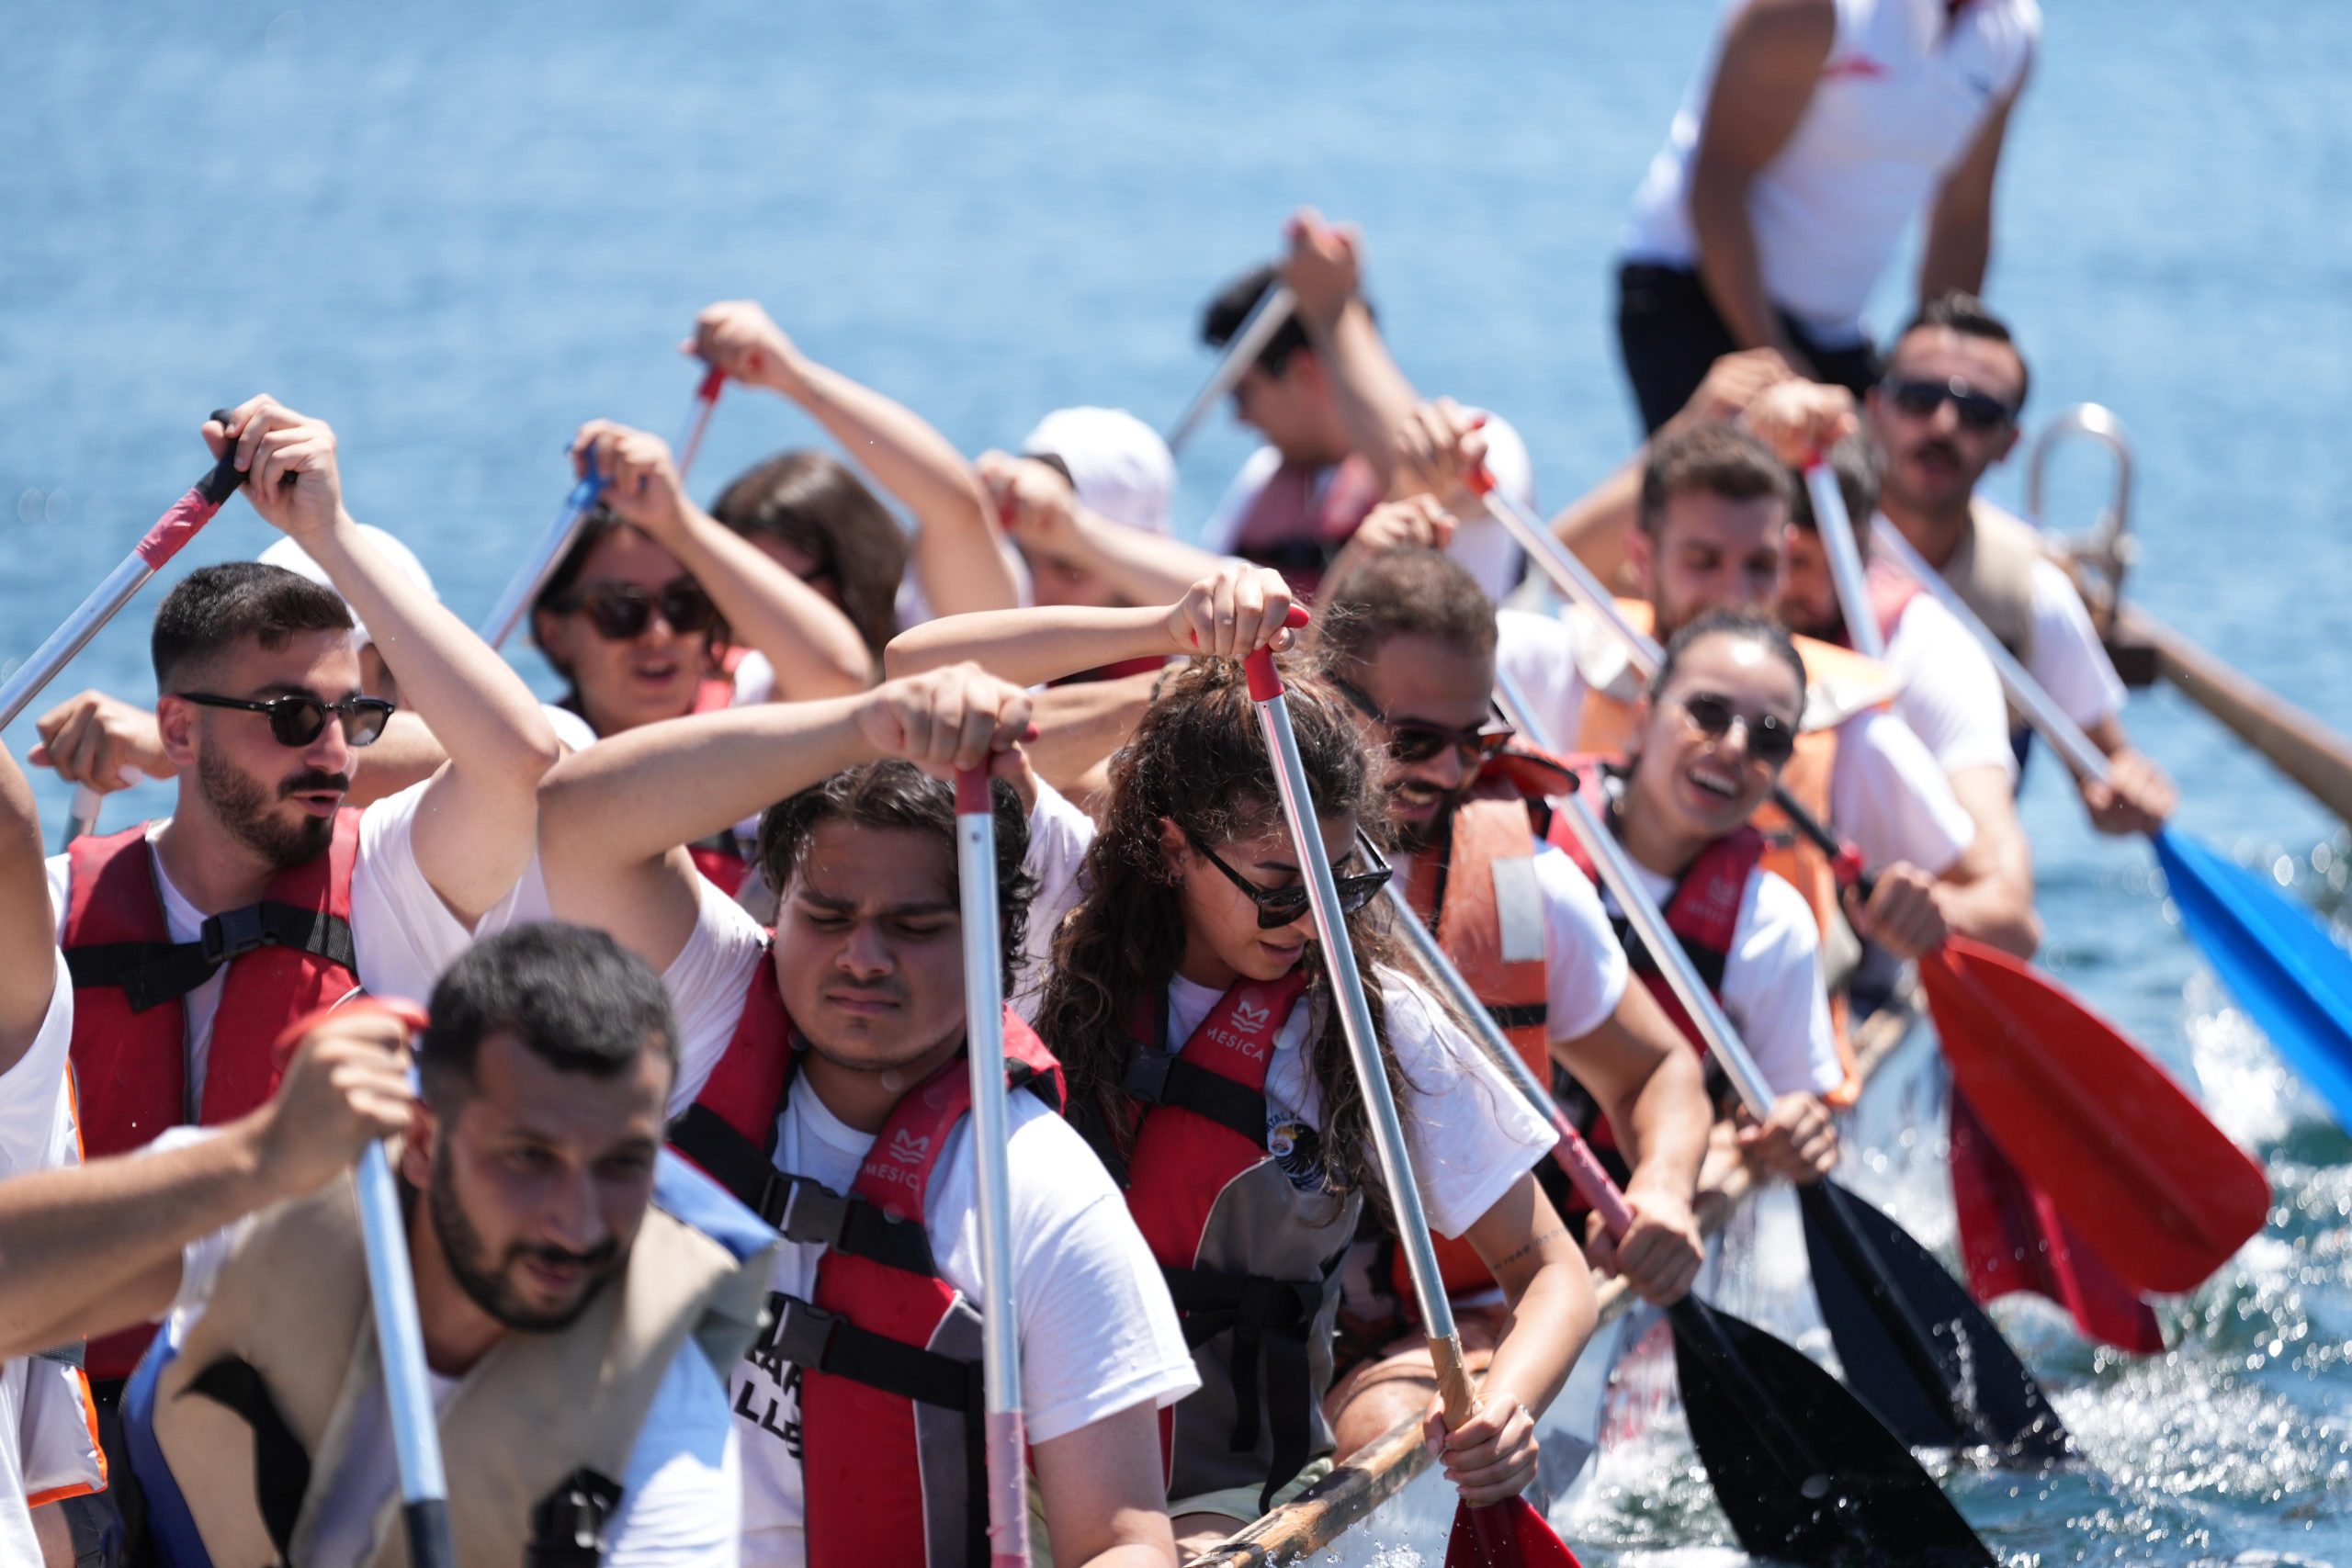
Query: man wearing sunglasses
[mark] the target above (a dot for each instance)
(1946, 413)
(1712, 533)
(1410, 639)
(193, 940)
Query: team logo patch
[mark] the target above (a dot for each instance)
(908, 1149)
(1250, 1020)
(1297, 1148)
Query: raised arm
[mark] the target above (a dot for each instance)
(1325, 270)
(92, 1248)
(1233, 612)
(1960, 225)
(955, 552)
(816, 650)
(473, 834)
(1772, 54)
(28, 924)
(1042, 511)
(612, 816)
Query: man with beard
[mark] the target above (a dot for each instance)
(575, 1307)
(1409, 638)
(193, 940)
(823, 1080)
(1946, 412)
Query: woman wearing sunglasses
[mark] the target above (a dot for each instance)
(1208, 1066)
(1708, 741)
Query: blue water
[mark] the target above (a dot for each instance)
(456, 230)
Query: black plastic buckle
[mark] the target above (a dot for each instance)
(809, 1211)
(803, 1333)
(232, 933)
(1147, 1077)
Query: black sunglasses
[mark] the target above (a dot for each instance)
(1978, 410)
(299, 720)
(621, 611)
(1280, 907)
(1412, 740)
(1770, 739)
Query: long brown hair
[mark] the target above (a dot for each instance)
(1197, 760)
(815, 503)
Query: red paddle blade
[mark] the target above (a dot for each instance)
(1505, 1535)
(2012, 1238)
(2123, 1152)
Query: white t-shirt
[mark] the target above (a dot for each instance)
(2069, 661)
(1098, 1332)
(682, 1490)
(1480, 544)
(1584, 969)
(1773, 990)
(1886, 792)
(36, 1134)
(401, 931)
(1951, 697)
(1898, 102)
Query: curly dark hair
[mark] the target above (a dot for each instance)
(893, 793)
(816, 505)
(1197, 760)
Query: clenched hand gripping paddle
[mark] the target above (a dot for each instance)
(2115, 1143)
(1241, 351)
(161, 542)
(984, 1038)
(1501, 1535)
(2012, 1236)
(515, 602)
(1799, 1466)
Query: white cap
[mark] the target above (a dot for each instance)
(284, 552)
(1122, 468)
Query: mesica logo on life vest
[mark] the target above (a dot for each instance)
(1250, 1020)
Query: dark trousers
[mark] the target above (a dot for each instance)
(1670, 333)
(122, 1505)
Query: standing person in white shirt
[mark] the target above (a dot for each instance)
(1337, 416)
(46, 1454)
(1946, 413)
(263, 896)
(576, 1295)
(824, 1078)
(1814, 134)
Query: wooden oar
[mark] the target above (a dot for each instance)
(2119, 1145)
(1923, 1355)
(1758, 1465)
(2012, 1235)
(1241, 351)
(159, 545)
(558, 537)
(1004, 1441)
(1501, 1535)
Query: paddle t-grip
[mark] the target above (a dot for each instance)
(1265, 681)
(972, 791)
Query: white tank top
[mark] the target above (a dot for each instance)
(1900, 99)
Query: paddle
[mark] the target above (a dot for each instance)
(1501, 1535)
(159, 544)
(984, 1037)
(1741, 1402)
(2012, 1236)
(81, 816)
(1241, 351)
(2004, 1027)
(560, 534)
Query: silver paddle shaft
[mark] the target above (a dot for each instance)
(1836, 526)
(56, 651)
(1241, 351)
(1650, 922)
(552, 545)
(1573, 577)
(2024, 691)
(1355, 1017)
(400, 1338)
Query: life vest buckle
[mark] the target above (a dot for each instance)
(803, 1332)
(803, 1211)
(232, 933)
(1147, 1077)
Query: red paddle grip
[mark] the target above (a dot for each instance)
(1265, 681)
(712, 380)
(1481, 481)
(972, 791)
(405, 1013)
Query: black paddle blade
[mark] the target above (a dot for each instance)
(1920, 1353)
(1803, 1471)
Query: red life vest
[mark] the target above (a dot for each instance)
(889, 1352)
(1302, 516)
(286, 955)
(1251, 1260)
(718, 857)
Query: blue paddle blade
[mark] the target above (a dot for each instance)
(2280, 962)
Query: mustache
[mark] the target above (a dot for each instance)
(305, 782)
(1939, 445)
(594, 1259)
